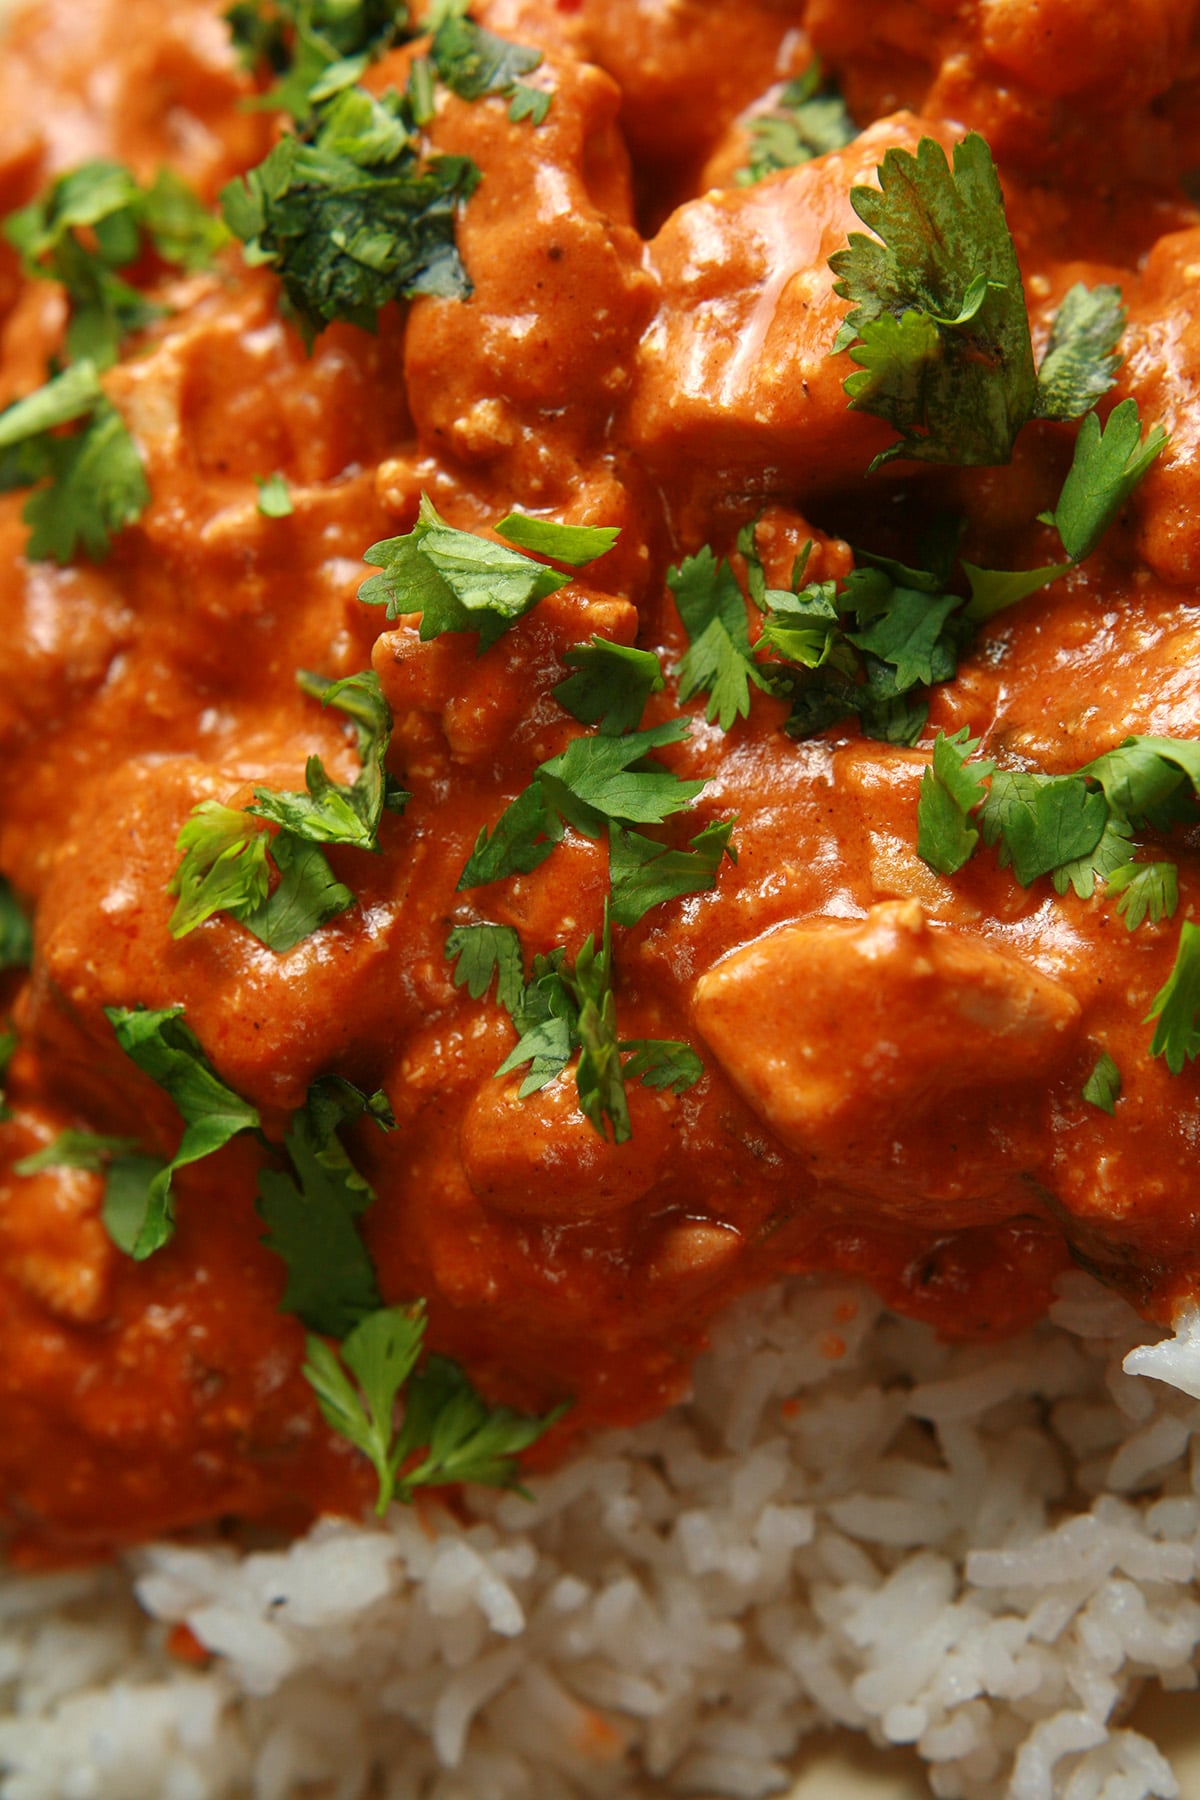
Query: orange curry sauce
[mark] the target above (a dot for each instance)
(893, 1058)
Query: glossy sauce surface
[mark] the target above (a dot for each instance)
(893, 1059)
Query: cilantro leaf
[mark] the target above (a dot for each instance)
(994, 589)
(662, 1063)
(1103, 1086)
(804, 122)
(305, 42)
(719, 661)
(274, 499)
(612, 686)
(1108, 463)
(168, 1051)
(463, 1438)
(456, 580)
(596, 780)
(349, 216)
(473, 63)
(16, 932)
(907, 633)
(73, 1149)
(331, 812)
(577, 545)
(483, 952)
(951, 789)
(938, 322)
(1176, 1006)
(66, 397)
(312, 1212)
(224, 868)
(545, 1020)
(645, 873)
(1081, 360)
(380, 1352)
(599, 1077)
(1109, 851)
(1148, 890)
(8, 1045)
(1045, 821)
(119, 217)
(97, 487)
(1147, 779)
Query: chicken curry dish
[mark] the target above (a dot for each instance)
(598, 705)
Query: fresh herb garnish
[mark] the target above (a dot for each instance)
(8, 1045)
(119, 218)
(473, 62)
(1077, 828)
(350, 215)
(563, 1012)
(645, 873)
(1103, 1086)
(938, 322)
(1176, 1006)
(16, 932)
(138, 1206)
(807, 120)
(312, 1211)
(225, 854)
(719, 660)
(73, 1149)
(91, 484)
(274, 498)
(313, 44)
(461, 1437)
(459, 581)
(612, 684)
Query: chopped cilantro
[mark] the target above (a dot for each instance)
(8, 1045)
(1176, 1006)
(719, 660)
(595, 782)
(96, 484)
(119, 217)
(662, 1063)
(481, 953)
(806, 121)
(1044, 821)
(224, 853)
(1103, 1086)
(138, 1209)
(308, 44)
(1147, 890)
(16, 932)
(473, 63)
(599, 1077)
(452, 1434)
(612, 686)
(545, 1019)
(1081, 359)
(312, 1211)
(938, 322)
(349, 215)
(331, 812)
(645, 873)
(577, 545)
(274, 499)
(950, 790)
(73, 1149)
(1109, 462)
(456, 580)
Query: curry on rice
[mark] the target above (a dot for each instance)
(782, 1027)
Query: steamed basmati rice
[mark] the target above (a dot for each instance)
(978, 1552)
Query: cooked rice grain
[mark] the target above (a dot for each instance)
(977, 1552)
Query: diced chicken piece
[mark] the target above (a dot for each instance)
(840, 1033)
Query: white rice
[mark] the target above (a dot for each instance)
(981, 1553)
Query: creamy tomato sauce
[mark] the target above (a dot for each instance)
(893, 1059)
